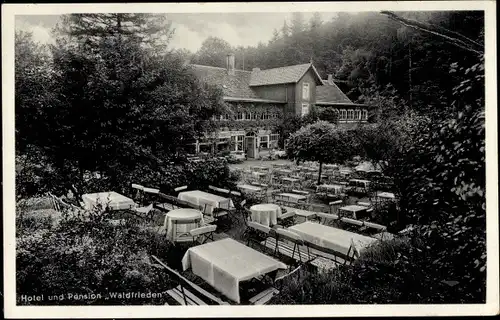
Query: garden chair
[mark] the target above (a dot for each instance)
(334, 206)
(364, 204)
(180, 236)
(326, 218)
(203, 234)
(256, 232)
(287, 219)
(294, 239)
(139, 196)
(352, 254)
(179, 189)
(145, 212)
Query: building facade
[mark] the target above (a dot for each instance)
(259, 100)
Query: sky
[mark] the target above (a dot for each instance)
(191, 29)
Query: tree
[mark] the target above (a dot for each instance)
(213, 52)
(120, 105)
(33, 90)
(322, 142)
(152, 31)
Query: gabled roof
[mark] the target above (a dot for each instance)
(289, 74)
(329, 93)
(236, 86)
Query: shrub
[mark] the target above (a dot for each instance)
(90, 256)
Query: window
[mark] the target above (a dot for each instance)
(265, 116)
(274, 137)
(343, 114)
(365, 114)
(237, 143)
(224, 117)
(357, 114)
(248, 116)
(255, 115)
(305, 109)
(305, 91)
(264, 142)
(239, 116)
(350, 114)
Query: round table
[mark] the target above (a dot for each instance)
(266, 214)
(184, 221)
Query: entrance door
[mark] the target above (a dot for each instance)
(250, 147)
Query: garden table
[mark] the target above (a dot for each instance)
(249, 188)
(291, 196)
(284, 171)
(354, 209)
(258, 174)
(174, 219)
(110, 199)
(330, 166)
(198, 197)
(360, 183)
(257, 168)
(280, 165)
(266, 213)
(330, 188)
(331, 238)
(306, 214)
(225, 263)
(292, 180)
(386, 195)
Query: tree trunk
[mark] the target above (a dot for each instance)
(319, 174)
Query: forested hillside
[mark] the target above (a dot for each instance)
(367, 51)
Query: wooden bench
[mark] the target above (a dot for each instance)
(286, 249)
(185, 297)
(264, 297)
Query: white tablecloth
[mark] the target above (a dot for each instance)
(266, 214)
(258, 174)
(354, 209)
(359, 182)
(249, 188)
(332, 238)
(212, 201)
(386, 195)
(111, 199)
(225, 263)
(330, 188)
(181, 215)
(291, 197)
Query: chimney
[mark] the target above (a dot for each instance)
(230, 64)
(330, 79)
(255, 69)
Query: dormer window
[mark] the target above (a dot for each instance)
(305, 91)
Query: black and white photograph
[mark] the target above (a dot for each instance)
(335, 156)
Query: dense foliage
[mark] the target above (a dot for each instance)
(368, 49)
(85, 259)
(106, 101)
